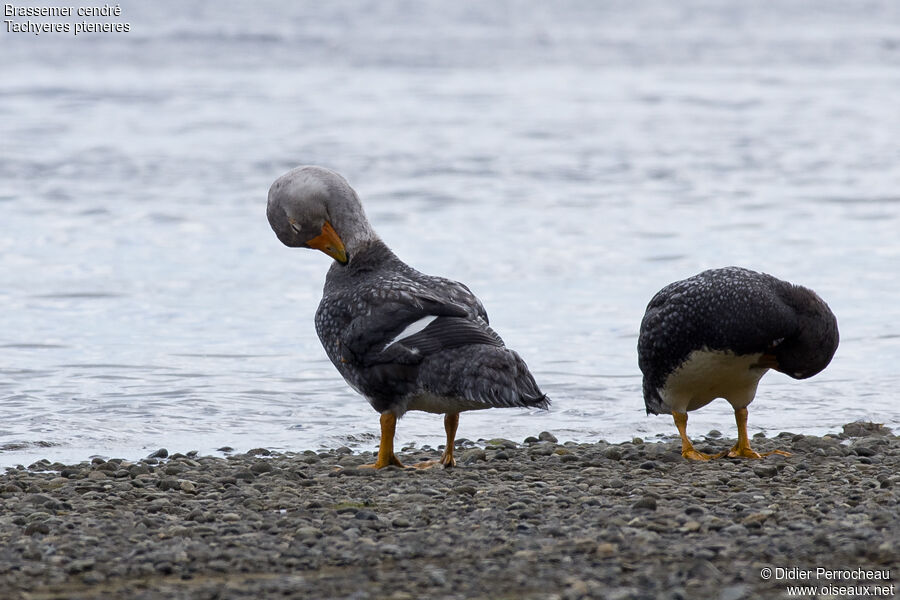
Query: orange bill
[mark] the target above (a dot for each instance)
(330, 243)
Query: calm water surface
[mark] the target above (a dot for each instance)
(564, 161)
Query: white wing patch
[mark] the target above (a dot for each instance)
(411, 329)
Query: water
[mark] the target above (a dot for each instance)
(564, 160)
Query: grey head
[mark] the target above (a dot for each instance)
(812, 347)
(314, 207)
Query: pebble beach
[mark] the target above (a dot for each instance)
(535, 518)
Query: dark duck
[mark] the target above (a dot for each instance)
(402, 339)
(714, 335)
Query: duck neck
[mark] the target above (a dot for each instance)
(370, 256)
(349, 221)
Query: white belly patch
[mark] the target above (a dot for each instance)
(710, 374)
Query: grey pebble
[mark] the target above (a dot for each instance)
(613, 453)
(169, 483)
(308, 532)
(473, 455)
(37, 527)
(765, 470)
(261, 466)
(734, 592)
(647, 502)
(542, 450)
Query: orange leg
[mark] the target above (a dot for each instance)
(742, 448)
(386, 447)
(687, 448)
(451, 422)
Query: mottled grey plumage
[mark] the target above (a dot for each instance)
(455, 363)
(738, 312)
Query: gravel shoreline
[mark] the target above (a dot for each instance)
(537, 519)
